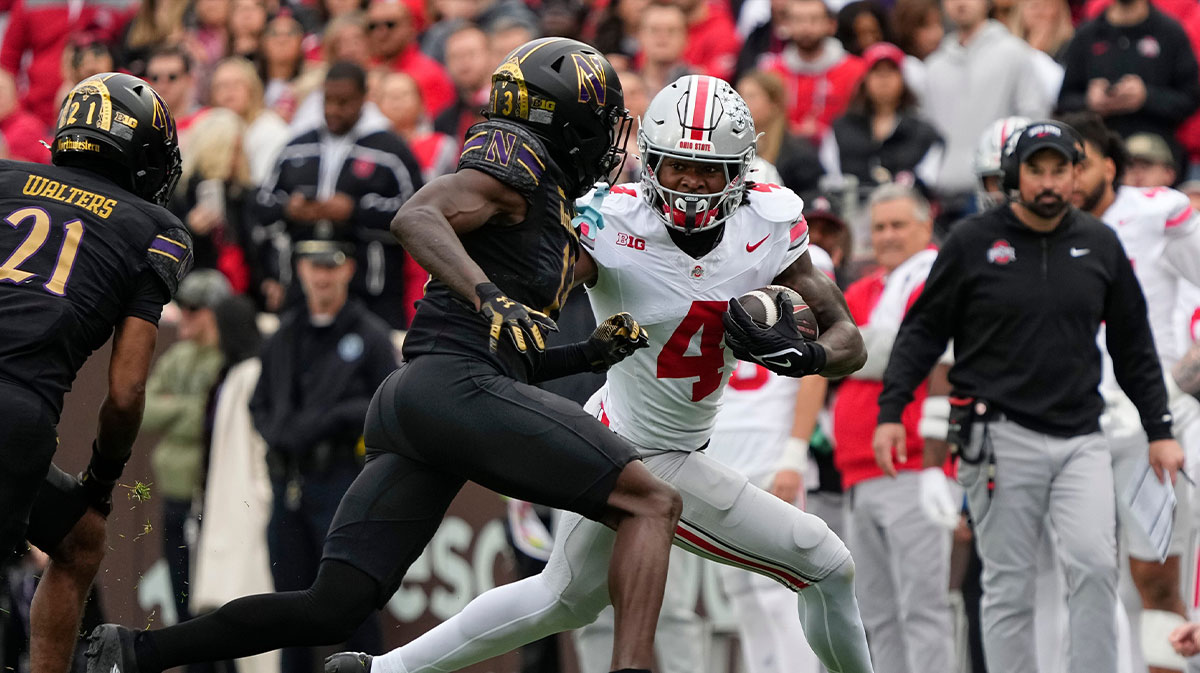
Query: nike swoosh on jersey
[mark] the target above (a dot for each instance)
(1079, 252)
(752, 247)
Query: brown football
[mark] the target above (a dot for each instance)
(761, 306)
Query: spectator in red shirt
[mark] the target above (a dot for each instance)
(399, 100)
(21, 130)
(663, 36)
(712, 38)
(392, 39)
(901, 555)
(819, 73)
(39, 30)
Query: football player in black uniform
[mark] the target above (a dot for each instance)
(88, 248)
(497, 238)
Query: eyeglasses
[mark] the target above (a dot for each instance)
(168, 77)
(372, 26)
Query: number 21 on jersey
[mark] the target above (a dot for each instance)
(38, 221)
(674, 362)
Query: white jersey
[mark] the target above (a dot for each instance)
(758, 410)
(755, 421)
(666, 396)
(1148, 221)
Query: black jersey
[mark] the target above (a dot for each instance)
(80, 254)
(532, 262)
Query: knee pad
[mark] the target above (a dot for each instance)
(1156, 651)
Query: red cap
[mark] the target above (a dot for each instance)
(883, 51)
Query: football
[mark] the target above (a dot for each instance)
(761, 306)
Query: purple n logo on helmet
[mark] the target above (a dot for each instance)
(590, 72)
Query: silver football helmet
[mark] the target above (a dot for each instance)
(989, 151)
(702, 119)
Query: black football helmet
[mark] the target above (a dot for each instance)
(568, 94)
(116, 125)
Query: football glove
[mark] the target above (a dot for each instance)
(614, 340)
(780, 347)
(98, 481)
(524, 325)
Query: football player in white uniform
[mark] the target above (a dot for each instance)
(755, 436)
(674, 250)
(1161, 234)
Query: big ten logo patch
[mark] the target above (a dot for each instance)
(631, 241)
(501, 147)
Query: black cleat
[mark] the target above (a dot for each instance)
(110, 650)
(347, 662)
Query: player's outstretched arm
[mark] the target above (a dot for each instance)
(121, 412)
(844, 349)
(429, 224)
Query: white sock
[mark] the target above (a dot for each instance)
(832, 625)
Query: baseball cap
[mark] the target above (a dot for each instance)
(202, 288)
(1043, 135)
(1149, 147)
(323, 252)
(883, 51)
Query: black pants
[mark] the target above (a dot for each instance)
(294, 537)
(27, 444)
(435, 423)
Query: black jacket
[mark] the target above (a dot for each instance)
(374, 167)
(317, 382)
(1023, 309)
(1157, 50)
(861, 155)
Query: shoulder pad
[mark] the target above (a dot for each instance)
(170, 256)
(507, 152)
(774, 203)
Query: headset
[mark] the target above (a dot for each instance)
(1010, 180)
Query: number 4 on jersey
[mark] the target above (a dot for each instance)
(675, 363)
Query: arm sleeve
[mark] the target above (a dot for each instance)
(149, 296)
(926, 329)
(1073, 95)
(560, 361)
(1032, 99)
(1131, 345)
(13, 47)
(1178, 100)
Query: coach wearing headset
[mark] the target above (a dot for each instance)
(1021, 289)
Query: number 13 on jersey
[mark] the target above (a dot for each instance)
(674, 362)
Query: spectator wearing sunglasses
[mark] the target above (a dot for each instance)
(169, 71)
(391, 36)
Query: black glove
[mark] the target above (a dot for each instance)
(524, 325)
(614, 340)
(780, 347)
(98, 481)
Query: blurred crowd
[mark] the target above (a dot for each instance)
(305, 124)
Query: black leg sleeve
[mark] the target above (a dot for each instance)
(325, 614)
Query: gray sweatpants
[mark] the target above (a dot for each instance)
(902, 559)
(1071, 479)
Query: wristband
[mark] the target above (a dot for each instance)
(795, 455)
(104, 468)
(935, 418)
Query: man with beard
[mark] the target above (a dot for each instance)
(1022, 289)
(1161, 235)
